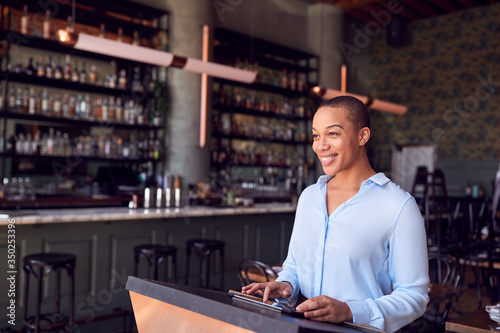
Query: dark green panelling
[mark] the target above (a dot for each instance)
(436, 74)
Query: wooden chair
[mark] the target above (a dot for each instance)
(250, 271)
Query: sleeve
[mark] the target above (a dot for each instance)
(289, 272)
(408, 271)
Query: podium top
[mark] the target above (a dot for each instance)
(220, 306)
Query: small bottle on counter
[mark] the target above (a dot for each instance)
(159, 196)
(177, 191)
(147, 197)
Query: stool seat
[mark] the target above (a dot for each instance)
(155, 254)
(204, 249)
(49, 259)
(41, 265)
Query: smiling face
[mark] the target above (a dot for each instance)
(338, 143)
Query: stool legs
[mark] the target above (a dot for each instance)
(221, 256)
(38, 299)
(71, 275)
(188, 255)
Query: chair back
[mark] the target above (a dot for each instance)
(444, 270)
(251, 271)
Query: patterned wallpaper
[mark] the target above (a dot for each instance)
(448, 74)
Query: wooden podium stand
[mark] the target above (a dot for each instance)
(166, 307)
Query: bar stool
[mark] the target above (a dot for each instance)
(155, 255)
(41, 265)
(204, 248)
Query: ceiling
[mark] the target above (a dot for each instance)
(412, 9)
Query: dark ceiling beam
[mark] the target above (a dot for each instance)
(422, 7)
(449, 6)
(360, 15)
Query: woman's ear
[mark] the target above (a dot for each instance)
(364, 136)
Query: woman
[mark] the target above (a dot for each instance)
(358, 249)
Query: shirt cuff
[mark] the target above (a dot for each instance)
(361, 313)
(292, 300)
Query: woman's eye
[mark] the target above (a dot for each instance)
(333, 133)
(315, 136)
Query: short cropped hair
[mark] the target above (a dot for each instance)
(356, 112)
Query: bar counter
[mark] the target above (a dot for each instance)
(103, 240)
(69, 215)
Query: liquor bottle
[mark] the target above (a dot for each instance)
(105, 109)
(102, 31)
(118, 109)
(78, 106)
(136, 41)
(136, 82)
(40, 68)
(65, 106)
(93, 74)
(87, 111)
(58, 71)
(30, 70)
(75, 76)
(122, 80)
(98, 109)
(284, 79)
(83, 73)
(19, 67)
(38, 102)
(24, 20)
(300, 83)
(19, 99)
(111, 108)
(49, 71)
(12, 98)
(46, 25)
(57, 105)
(293, 80)
(119, 38)
(45, 101)
(72, 106)
(26, 100)
(112, 75)
(67, 68)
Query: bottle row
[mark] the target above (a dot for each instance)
(61, 144)
(30, 25)
(284, 79)
(258, 127)
(242, 153)
(69, 71)
(262, 101)
(36, 101)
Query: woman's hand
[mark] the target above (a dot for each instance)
(324, 308)
(269, 289)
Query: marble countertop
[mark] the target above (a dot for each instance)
(41, 216)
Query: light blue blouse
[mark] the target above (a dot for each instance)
(371, 252)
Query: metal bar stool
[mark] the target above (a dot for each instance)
(155, 255)
(41, 265)
(204, 248)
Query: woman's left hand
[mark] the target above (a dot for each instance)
(324, 308)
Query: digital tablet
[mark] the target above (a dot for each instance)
(257, 301)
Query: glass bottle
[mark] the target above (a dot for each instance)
(119, 38)
(67, 68)
(46, 25)
(72, 106)
(32, 101)
(75, 76)
(118, 109)
(19, 99)
(93, 74)
(136, 41)
(136, 82)
(105, 109)
(83, 73)
(112, 75)
(45, 101)
(65, 106)
(122, 80)
(58, 71)
(111, 108)
(12, 98)
(49, 72)
(98, 109)
(19, 67)
(102, 31)
(41, 67)
(26, 100)
(38, 102)
(30, 70)
(57, 109)
(24, 20)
